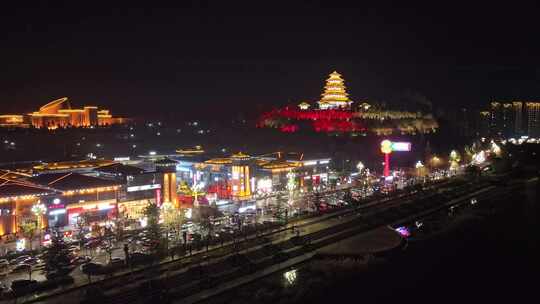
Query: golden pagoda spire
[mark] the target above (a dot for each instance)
(335, 94)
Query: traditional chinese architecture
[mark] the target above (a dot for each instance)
(60, 113)
(335, 95)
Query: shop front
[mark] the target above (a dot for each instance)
(134, 210)
(97, 212)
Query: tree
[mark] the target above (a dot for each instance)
(28, 231)
(153, 229)
(279, 204)
(317, 200)
(56, 257)
(347, 196)
(82, 222)
(107, 242)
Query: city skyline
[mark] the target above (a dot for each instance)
(184, 59)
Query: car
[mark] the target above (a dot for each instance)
(116, 261)
(21, 268)
(3, 288)
(81, 259)
(58, 273)
(91, 267)
(4, 263)
(18, 259)
(31, 261)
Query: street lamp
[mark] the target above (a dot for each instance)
(39, 210)
(360, 166)
(419, 167)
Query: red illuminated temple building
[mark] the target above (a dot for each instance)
(335, 113)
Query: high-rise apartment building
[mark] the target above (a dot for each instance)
(532, 113)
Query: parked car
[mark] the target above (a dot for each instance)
(31, 261)
(92, 267)
(21, 268)
(116, 261)
(57, 274)
(81, 260)
(3, 263)
(18, 259)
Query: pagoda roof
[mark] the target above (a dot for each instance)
(219, 161)
(240, 155)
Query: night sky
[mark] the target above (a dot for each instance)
(219, 58)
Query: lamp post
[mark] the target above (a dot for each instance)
(360, 166)
(419, 166)
(39, 210)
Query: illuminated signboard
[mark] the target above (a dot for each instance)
(403, 231)
(121, 159)
(401, 146)
(388, 147)
(144, 187)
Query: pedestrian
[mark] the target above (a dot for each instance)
(126, 252)
(172, 252)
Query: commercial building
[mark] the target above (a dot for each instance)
(243, 177)
(82, 166)
(169, 185)
(139, 188)
(532, 110)
(78, 194)
(511, 119)
(17, 198)
(14, 120)
(502, 119)
(59, 113)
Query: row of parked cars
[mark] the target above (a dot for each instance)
(27, 263)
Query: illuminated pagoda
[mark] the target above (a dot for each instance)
(335, 95)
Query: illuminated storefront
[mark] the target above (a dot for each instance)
(16, 201)
(168, 186)
(80, 194)
(241, 184)
(134, 210)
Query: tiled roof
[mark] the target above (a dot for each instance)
(120, 169)
(71, 181)
(10, 188)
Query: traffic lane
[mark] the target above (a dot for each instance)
(276, 237)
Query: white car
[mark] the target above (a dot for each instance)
(4, 263)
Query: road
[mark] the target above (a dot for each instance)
(308, 226)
